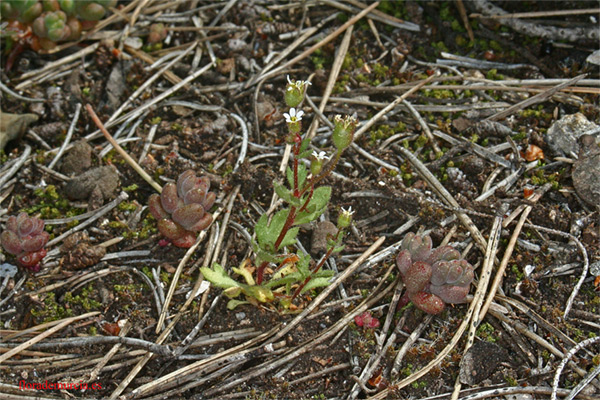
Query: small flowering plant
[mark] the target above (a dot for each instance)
(280, 272)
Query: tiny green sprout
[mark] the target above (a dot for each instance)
(155, 120)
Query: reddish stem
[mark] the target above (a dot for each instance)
(317, 267)
(310, 194)
(314, 180)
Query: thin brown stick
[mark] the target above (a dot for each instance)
(120, 150)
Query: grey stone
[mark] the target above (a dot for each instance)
(563, 134)
(586, 171)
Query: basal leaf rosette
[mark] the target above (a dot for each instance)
(433, 277)
(182, 210)
(25, 238)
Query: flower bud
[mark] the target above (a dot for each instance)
(316, 162)
(343, 131)
(294, 93)
(345, 218)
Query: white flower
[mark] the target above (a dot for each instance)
(320, 156)
(293, 116)
(348, 212)
(298, 84)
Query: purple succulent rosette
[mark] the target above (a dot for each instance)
(433, 277)
(182, 210)
(25, 238)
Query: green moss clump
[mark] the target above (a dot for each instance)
(51, 310)
(84, 299)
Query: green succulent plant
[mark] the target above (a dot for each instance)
(54, 21)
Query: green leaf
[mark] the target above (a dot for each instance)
(262, 231)
(289, 238)
(246, 274)
(304, 145)
(231, 304)
(288, 279)
(264, 255)
(303, 265)
(218, 277)
(316, 206)
(260, 293)
(302, 173)
(286, 194)
(315, 283)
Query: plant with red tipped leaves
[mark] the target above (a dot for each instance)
(25, 238)
(182, 210)
(433, 277)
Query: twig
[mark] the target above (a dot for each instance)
(122, 152)
(244, 148)
(96, 371)
(148, 82)
(323, 42)
(484, 279)
(333, 75)
(391, 106)
(539, 14)
(566, 359)
(531, 29)
(64, 322)
(148, 142)
(422, 170)
(409, 342)
(17, 96)
(538, 98)
(99, 213)
(507, 392)
(175, 280)
(68, 137)
(18, 164)
(424, 126)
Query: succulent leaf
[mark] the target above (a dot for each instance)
(156, 208)
(188, 215)
(427, 302)
(33, 243)
(202, 224)
(403, 261)
(186, 241)
(11, 242)
(169, 199)
(417, 276)
(170, 229)
(451, 294)
(185, 182)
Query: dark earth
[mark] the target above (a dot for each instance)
(108, 267)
